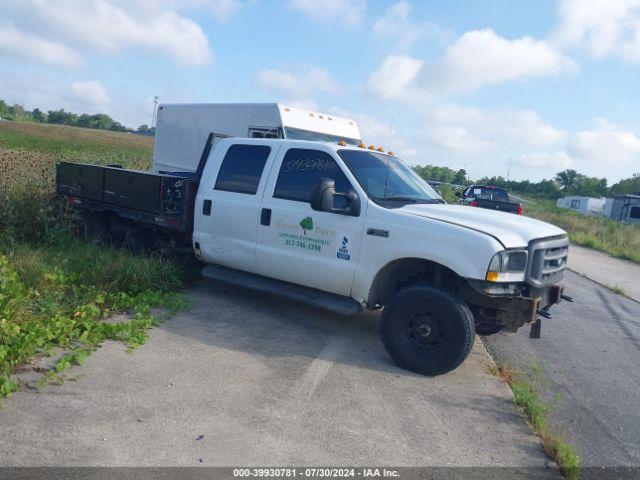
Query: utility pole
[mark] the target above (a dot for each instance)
(509, 169)
(155, 110)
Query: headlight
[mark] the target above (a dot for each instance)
(508, 266)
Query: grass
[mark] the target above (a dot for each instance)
(618, 290)
(56, 290)
(527, 388)
(598, 233)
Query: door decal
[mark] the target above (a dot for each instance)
(343, 247)
(307, 235)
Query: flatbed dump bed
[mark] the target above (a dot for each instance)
(164, 201)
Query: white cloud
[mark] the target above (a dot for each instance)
(221, 10)
(106, 26)
(549, 161)
(603, 27)
(298, 88)
(606, 149)
(468, 131)
(396, 23)
(347, 12)
(377, 132)
(395, 77)
(476, 59)
(91, 94)
(21, 45)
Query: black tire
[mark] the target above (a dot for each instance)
(138, 240)
(427, 330)
(487, 329)
(118, 234)
(93, 226)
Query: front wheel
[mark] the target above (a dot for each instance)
(427, 330)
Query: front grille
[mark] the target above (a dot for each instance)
(547, 261)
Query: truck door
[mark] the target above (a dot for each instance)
(227, 208)
(301, 245)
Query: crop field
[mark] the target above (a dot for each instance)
(29, 151)
(56, 289)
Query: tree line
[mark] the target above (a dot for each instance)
(99, 121)
(564, 183)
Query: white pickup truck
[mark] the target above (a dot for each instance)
(348, 228)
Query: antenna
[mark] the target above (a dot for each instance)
(155, 110)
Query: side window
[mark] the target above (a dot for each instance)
(635, 212)
(301, 168)
(242, 168)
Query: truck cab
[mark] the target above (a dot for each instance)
(358, 224)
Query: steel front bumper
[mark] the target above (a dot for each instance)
(512, 312)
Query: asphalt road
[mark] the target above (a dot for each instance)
(590, 354)
(244, 379)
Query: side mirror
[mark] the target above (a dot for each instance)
(354, 203)
(322, 195)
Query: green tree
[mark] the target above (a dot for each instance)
(567, 179)
(460, 177)
(38, 115)
(306, 224)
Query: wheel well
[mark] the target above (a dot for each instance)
(408, 271)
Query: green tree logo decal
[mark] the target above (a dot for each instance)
(306, 224)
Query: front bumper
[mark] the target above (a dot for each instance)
(512, 311)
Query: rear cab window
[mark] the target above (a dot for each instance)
(242, 168)
(301, 168)
(489, 193)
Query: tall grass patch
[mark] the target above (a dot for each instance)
(57, 290)
(598, 233)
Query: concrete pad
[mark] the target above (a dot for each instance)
(606, 270)
(265, 382)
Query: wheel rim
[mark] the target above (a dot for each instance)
(425, 330)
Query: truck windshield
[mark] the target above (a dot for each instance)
(299, 134)
(387, 180)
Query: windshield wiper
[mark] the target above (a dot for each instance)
(401, 198)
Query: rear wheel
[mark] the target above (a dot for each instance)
(135, 239)
(427, 330)
(93, 225)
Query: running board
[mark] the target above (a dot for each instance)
(317, 298)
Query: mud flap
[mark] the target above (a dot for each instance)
(536, 329)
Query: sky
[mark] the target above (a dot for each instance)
(525, 88)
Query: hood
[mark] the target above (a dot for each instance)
(511, 230)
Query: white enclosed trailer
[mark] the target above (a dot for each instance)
(585, 205)
(182, 130)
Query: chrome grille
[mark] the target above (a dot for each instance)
(547, 261)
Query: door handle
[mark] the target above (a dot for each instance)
(206, 207)
(265, 217)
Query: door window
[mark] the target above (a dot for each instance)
(301, 168)
(242, 168)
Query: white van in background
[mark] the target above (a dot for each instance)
(183, 129)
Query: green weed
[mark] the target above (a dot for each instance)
(57, 290)
(527, 387)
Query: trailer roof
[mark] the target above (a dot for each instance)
(293, 117)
